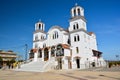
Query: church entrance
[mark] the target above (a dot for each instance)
(78, 62)
(39, 53)
(59, 54)
(46, 54)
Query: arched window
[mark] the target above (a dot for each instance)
(75, 26)
(78, 38)
(42, 37)
(78, 11)
(42, 27)
(39, 26)
(74, 12)
(55, 35)
(77, 50)
(75, 38)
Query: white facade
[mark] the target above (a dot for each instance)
(67, 49)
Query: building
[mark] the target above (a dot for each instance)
(66, 49)
(7, 55)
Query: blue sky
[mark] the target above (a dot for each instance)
(18, 17)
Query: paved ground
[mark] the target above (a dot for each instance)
(89, 74)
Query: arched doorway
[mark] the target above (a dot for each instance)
(52, 51)
(46, 54)
(78, 61)
(39, 53)
(59, 54)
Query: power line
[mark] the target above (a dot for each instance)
(21, 46)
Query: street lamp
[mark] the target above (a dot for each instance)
(26, 47)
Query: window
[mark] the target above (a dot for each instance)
(42, 37)
(78, 11)
(77, 50)
(39, 26)
(42, 27)
(76, 38)
(74, 12)
(55, 35)
(75, 26)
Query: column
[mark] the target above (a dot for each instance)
(49, 54)
(43, 55)
(35, 56)
(76, 11)
(72, 12)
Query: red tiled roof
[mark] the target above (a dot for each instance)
(65, 46)
(34, 50)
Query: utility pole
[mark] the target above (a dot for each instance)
(26, 47)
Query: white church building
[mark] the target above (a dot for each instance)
(74, 48)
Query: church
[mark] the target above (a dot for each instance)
(74, 48)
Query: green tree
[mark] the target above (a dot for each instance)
(12, 60)
(1, 61)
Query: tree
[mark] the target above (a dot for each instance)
(12, 60)
(1, 61)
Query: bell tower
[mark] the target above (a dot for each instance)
(77, 11)
(40, 26)
(39, 35)
(77, 20)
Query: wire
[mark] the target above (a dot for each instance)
(14, 47)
